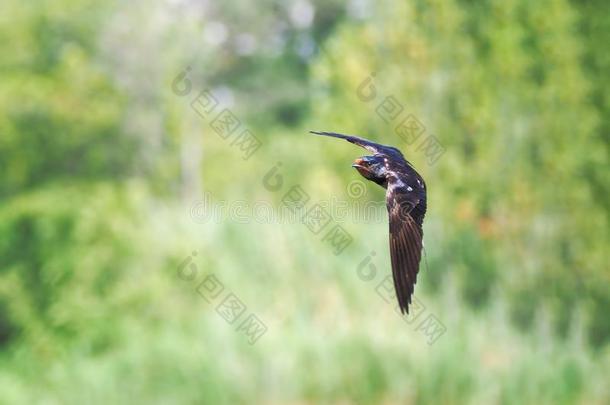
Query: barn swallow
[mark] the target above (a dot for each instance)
(406, 204)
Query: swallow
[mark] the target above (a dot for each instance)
(406, 204)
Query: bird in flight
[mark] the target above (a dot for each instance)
(406, 203)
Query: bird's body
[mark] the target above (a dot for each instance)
(406, 203)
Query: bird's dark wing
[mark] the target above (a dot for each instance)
(366, 144)
(405, 241)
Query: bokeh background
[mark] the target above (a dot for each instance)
(104, 167)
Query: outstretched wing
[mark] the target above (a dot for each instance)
(405, 240)
(366, 144)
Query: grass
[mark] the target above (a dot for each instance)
(331, 338)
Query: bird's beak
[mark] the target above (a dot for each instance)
(358, 163)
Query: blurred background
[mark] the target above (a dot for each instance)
(124, 123)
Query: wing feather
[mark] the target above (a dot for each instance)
(364, 143)
(405, 243)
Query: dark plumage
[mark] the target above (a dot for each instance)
(406, 203)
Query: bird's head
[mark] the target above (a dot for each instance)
(371, 168)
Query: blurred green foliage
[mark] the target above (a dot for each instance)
(101, 164)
